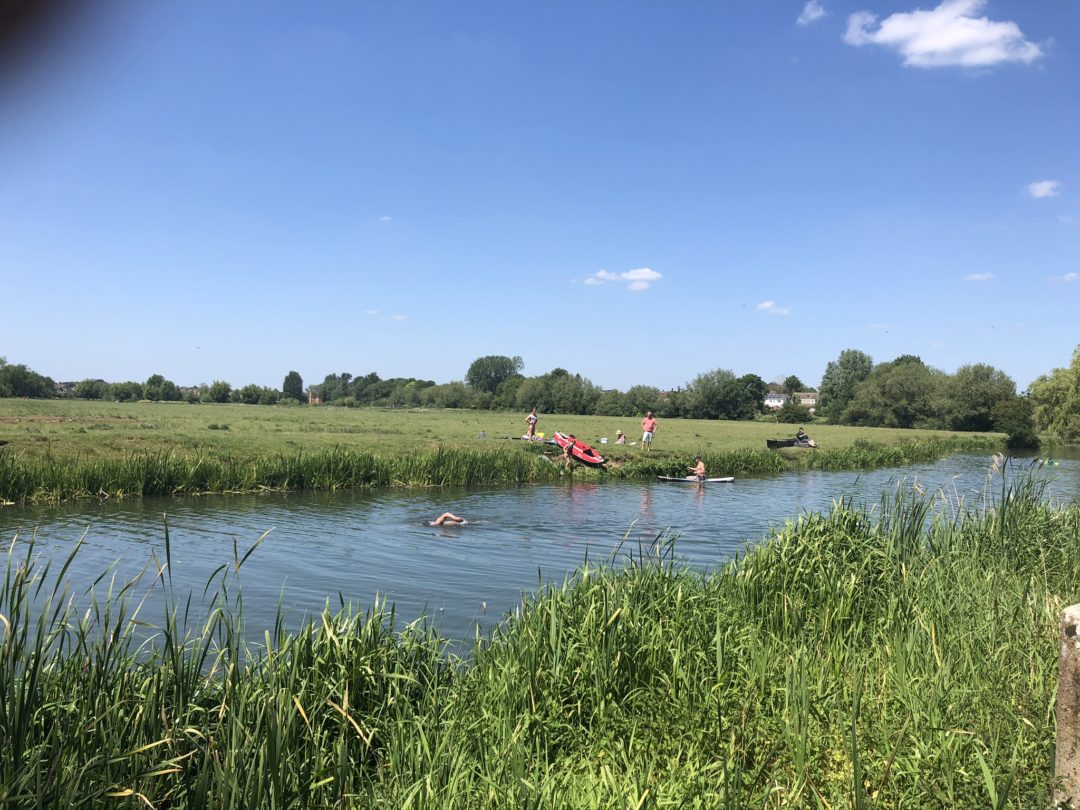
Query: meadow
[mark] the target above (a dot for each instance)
(77, 429)
(899, 654)
(58, 450)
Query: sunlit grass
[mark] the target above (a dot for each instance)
(74, 429)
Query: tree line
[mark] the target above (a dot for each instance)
(903, 392)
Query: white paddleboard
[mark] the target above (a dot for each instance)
(693, 480)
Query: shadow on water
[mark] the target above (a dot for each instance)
(354, 546)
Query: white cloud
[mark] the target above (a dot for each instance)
(947, 36)
(637, 280)
(880, 327)
(397, 317)
(1068, 278)
(386, 219)
(978, 276)
(772, 308)
(1044, 188)
(812, 12)
(371, 312)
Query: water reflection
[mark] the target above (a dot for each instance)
(353, 546)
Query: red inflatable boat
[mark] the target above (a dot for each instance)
(581, 451)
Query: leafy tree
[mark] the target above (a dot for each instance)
(1055, 398)
(903, 393)
(158, 389)
(126, 391)
(793, 385)
(792, 413)
(488, 373)
(971, 394)
(20, 381)
(613, 403)
(642, 398)
(506, 398)
(1016, 418)
(335, 387)
(747, 397)
(449, 395)
(92, 389)
(368, 388)
(219, 391)
(842, 376)
(293, 387)
(249, 394)
(706, 394)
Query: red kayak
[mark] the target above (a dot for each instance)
(580, 451)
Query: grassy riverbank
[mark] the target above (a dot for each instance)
(47, 480)
(72, 449)
(864, 658)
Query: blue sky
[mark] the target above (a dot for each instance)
(635, 191)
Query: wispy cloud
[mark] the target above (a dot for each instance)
(1044, 188)
(978, 276)
(374, 313)
(636, 280)
(812, 12)
(947, 36)
(1068, 278)
(772, 308)
(879, 327)
(384, 219)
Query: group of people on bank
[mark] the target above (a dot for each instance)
(648, 430)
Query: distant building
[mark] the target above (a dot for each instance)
(313, 397)
(807, 399)
(776, 399)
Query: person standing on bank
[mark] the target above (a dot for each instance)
(531, 420)
(568, 450)
(648, 427)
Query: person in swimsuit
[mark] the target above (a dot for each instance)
(448, 517)
(531, 420)
(568, 451)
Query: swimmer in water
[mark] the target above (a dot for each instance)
(448, 517)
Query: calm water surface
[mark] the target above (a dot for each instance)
(363, 544)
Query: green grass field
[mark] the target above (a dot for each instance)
(74, 429)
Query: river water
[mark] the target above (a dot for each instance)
(356, 545)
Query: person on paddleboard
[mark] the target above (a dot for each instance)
(698, 469)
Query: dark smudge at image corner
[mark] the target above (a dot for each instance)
(32, 29)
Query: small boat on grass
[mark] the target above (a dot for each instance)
(580, 451)
(776, 444)
(692, 479)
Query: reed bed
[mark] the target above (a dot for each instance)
(901, 654)
(32, 479)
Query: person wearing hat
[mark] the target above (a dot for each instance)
(620, 437)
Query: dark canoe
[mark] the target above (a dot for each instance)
(778, 443)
